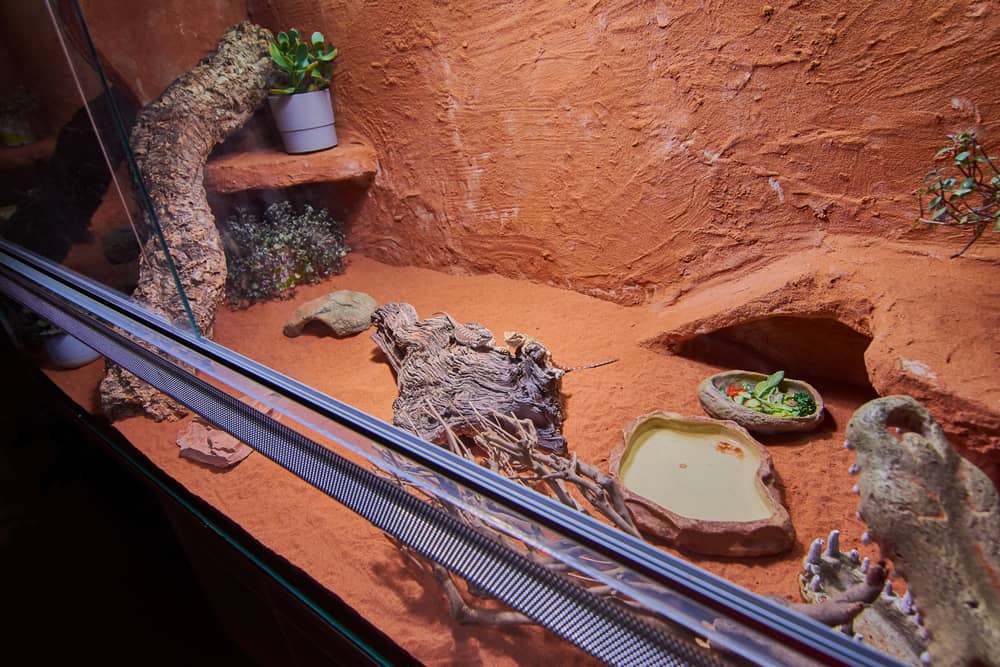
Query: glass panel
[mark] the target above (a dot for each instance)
(592, 221)
(547, 539)
(68, 188)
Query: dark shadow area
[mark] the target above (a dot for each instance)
(107, 561)
(93, 574)
(817, 350)
(905, 420)
(55, 211)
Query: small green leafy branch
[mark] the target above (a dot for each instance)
(308, 66)
(965, 192)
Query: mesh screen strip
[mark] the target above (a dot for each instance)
(764, 631)
(599, 627)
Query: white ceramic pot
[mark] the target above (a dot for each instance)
(305, 121)
(66, 352)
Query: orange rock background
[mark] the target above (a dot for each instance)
(625, 149)
(618, 150)
(728, 162)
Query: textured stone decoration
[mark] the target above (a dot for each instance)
(712, 395)
(937, 517)
(344, 313)
(703, 447)
(200, 441)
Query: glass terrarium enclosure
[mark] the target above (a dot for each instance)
(535, 333)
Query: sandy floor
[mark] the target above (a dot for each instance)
(342, 551)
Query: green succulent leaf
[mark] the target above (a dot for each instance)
(279, 58)
(307, 65)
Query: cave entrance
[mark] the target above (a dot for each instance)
(809, 348)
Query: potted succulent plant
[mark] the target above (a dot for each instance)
(302, 107)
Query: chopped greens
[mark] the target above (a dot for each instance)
(765, 386)
(766, 397)
(805, 404)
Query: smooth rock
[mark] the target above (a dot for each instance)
(344, 313)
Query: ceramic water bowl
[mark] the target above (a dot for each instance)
(712, 394)
(702, 485)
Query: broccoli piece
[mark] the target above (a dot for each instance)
(805, 405)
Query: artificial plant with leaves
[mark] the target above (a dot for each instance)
(307, 66)
(965, 192)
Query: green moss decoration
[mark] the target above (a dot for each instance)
(269, 255)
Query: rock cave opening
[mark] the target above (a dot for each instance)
(821, 350)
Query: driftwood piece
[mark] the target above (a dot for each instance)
(459, 377)
(510, 447)
(172, 139)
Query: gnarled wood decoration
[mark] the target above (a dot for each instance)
(441, 365)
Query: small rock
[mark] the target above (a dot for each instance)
(344, 312)
(202, 442)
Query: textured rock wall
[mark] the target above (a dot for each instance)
(151, 43)
(42, 71)
(617, 147)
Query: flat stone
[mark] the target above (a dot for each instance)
(719, 483)
(344, 313)
(272, 169)
(202, 442)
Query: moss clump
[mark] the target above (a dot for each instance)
(269, 255)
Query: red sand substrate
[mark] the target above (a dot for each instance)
(358, 563)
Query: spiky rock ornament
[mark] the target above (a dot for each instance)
(937, 517)
(862, 594)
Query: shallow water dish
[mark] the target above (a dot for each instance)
(712, 394)
(702, 485)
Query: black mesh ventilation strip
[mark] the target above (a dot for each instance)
(733, 619)
(594, 624)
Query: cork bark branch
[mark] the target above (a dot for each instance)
(172, 140)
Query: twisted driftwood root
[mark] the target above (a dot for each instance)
(440, 363)
(172, 139)
(937, 517)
